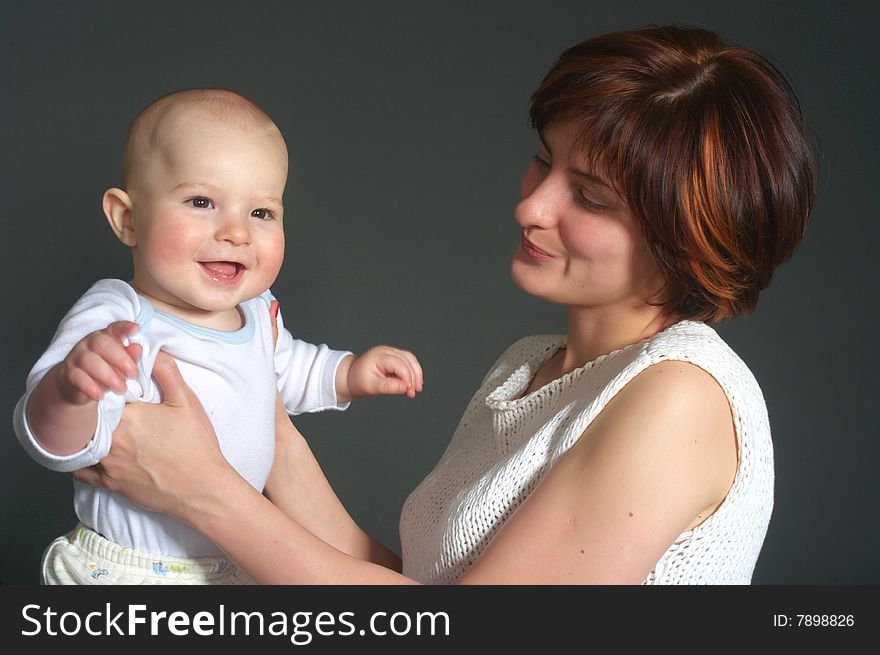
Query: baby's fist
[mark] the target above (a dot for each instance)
(100, 362)
(380, 370)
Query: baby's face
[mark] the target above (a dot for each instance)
(207, 211)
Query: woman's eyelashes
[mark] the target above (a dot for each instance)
(582, 196)
(542, 163)
(586, 202)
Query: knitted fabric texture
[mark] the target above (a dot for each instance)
(506, 443)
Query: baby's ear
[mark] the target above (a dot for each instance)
(117, 209)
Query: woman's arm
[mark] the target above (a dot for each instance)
(660, 453)
(298, 486)
(206, 492)
(658, 459)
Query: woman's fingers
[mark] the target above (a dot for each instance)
(171, 383)
(89, 475)
(274, 306)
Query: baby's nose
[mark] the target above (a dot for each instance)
(235, 230)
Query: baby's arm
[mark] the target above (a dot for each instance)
(380, 370)
(105, 303)
(63, 409)
(315, 378)
(305, 373)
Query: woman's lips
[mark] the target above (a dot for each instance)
(226, 273)
(534, 251)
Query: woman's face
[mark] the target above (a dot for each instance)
(580, 244)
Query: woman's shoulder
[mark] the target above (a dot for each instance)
(676, 370)
(691, 371)
(686, 335)
(713, 365)
(698, 344)
(679, 388)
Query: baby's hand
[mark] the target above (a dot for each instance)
(102, 361)
(381, 370)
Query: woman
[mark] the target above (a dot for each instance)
(672, 176)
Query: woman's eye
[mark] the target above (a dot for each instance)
(542, 163)
(201, 203)
(264, 214)
(586, 202)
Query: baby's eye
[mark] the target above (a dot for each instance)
(201, 203)
(262, 213)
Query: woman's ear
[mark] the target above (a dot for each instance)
(117, 209)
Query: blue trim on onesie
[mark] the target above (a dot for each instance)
(145, 316)
(240, 336)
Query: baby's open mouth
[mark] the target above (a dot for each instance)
(223, 271)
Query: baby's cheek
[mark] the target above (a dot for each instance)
(275, 254)
(271, 258)
(170, 250)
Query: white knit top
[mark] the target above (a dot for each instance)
(506, 443)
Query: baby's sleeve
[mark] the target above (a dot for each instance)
(105, 302)
(306, 373)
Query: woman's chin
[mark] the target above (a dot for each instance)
(528, 281)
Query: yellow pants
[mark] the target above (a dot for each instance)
(83, 557)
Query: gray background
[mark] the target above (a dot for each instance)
(407, 129)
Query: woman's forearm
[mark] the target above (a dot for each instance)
(204, 491)
(298, 486)
(271, 547)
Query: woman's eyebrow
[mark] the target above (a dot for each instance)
(544, 142)
(587, 175)
(590, 177)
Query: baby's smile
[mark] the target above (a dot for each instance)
(224, 272)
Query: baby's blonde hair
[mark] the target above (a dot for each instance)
(220, 104)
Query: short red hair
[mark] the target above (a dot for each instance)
(706, 144)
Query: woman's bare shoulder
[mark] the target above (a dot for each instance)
(678, 416)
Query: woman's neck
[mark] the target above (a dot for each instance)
(595, 332)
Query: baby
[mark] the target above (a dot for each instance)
(204, 172)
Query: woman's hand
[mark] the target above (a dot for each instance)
(165, 457)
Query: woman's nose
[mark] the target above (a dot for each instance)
(540, 201)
